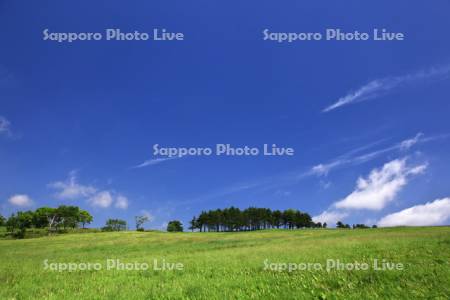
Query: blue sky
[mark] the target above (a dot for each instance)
(369, 120)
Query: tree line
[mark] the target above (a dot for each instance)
(341, 225)
(228, 219)
(46, 217)
(252, 218)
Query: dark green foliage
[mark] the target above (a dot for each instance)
(252, 218)
(174, 226)
(339, 224)
(360, 226)
(115, 225)
(18, 223)
(55, 219)
(85, 218)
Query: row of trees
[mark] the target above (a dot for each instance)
(228, 219)
(252, 218)
(47, 217)
(339, 224)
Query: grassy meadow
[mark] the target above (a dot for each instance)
(231, 265)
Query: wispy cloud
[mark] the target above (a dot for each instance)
(160, 215)
(147, 214)
(71, 189)
(6, 78)
(351, 158)
(5, 126)
(380, 87)
(428, 214)
(152, 162)
(121, 202)
(407, 144)
(354, 157)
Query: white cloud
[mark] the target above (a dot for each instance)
(147, 214)
(350, 158)
(428, 214)
(381, 186)
(382, 86)
(330, 217)
(324, 169)
(102, 199)
(70, 189)
(152, 162)
(20, 200)
(406, 144)
(363, 93)
(121, 202)
(5, 126)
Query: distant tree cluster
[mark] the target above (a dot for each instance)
(47, 217)
(339, 224)
(252, 218)
(115, 225)
(174, 226)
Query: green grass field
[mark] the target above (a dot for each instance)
(231, 265)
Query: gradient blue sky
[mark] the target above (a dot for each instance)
(75, 118)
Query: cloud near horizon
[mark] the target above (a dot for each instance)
(70, 189)
(374, 192)
(428, 214)
(381, 186)
(380, 87)
(330, 217)
(351, 158)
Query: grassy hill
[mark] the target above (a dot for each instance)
(230, 265)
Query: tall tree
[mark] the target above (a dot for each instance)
(277, 218)
(85, 218)
(140, 220)
(193, 224)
